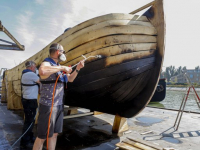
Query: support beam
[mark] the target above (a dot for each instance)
(78, 115)
(120, 124)
(97, 113)
(7, 42)
(72, 110)
(9, 47)
(2, 28)
(141, 8)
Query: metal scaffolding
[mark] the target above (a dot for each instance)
(12, 46)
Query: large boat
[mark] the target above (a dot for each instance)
(124, 79)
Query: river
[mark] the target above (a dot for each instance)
(173, 100)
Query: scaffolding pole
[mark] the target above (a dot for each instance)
(13, 46)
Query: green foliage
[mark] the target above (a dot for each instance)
(171, 71)
(197, 68)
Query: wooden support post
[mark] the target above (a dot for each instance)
(72, 111)
(120, 124)
(97, 113)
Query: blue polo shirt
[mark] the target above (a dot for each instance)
(30, 92)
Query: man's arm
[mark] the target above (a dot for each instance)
(38, 81)
(46, 69)
(72, 76)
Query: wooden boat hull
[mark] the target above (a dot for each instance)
(123, 80)
(121, 88)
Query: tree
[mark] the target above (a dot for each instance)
(170, 72)
(197, 68)
(179, 70)
(184, 68)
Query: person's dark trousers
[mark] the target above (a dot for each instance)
(30, 107)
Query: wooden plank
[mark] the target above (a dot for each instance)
(145, 143)
(139, 86)
(78, 115)
(106, 42)
(72, 111)
(114, 60)
(70, 107)
(113, 89)
(109, 88)
(126, 146)
(106, 31)
(104, 24)
(96, 20)
(138, 145)
(110, 80)
(148, 24)
(97, 113)
(110, 71)
(132, 88)
(120, 124)
(104, 18)
(124, 88)
(143, 7)
(140, 18)
(114, 50)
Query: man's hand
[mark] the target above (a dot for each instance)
(80, 65)
(67, 69)
(72, 76)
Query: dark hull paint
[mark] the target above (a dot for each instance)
(111, 91)
(160, 92)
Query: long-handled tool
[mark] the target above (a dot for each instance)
(85, 58)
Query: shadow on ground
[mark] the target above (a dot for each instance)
(78, 133)
(83, 132)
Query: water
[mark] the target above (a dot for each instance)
(148, 121)
(173, 100)
(172, 140)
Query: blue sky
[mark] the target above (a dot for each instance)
(35, 23)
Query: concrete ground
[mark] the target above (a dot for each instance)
(95, 132)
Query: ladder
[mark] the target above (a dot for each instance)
(189, 89)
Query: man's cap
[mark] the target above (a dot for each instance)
(56, 46)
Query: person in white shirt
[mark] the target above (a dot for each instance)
(30, 86)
